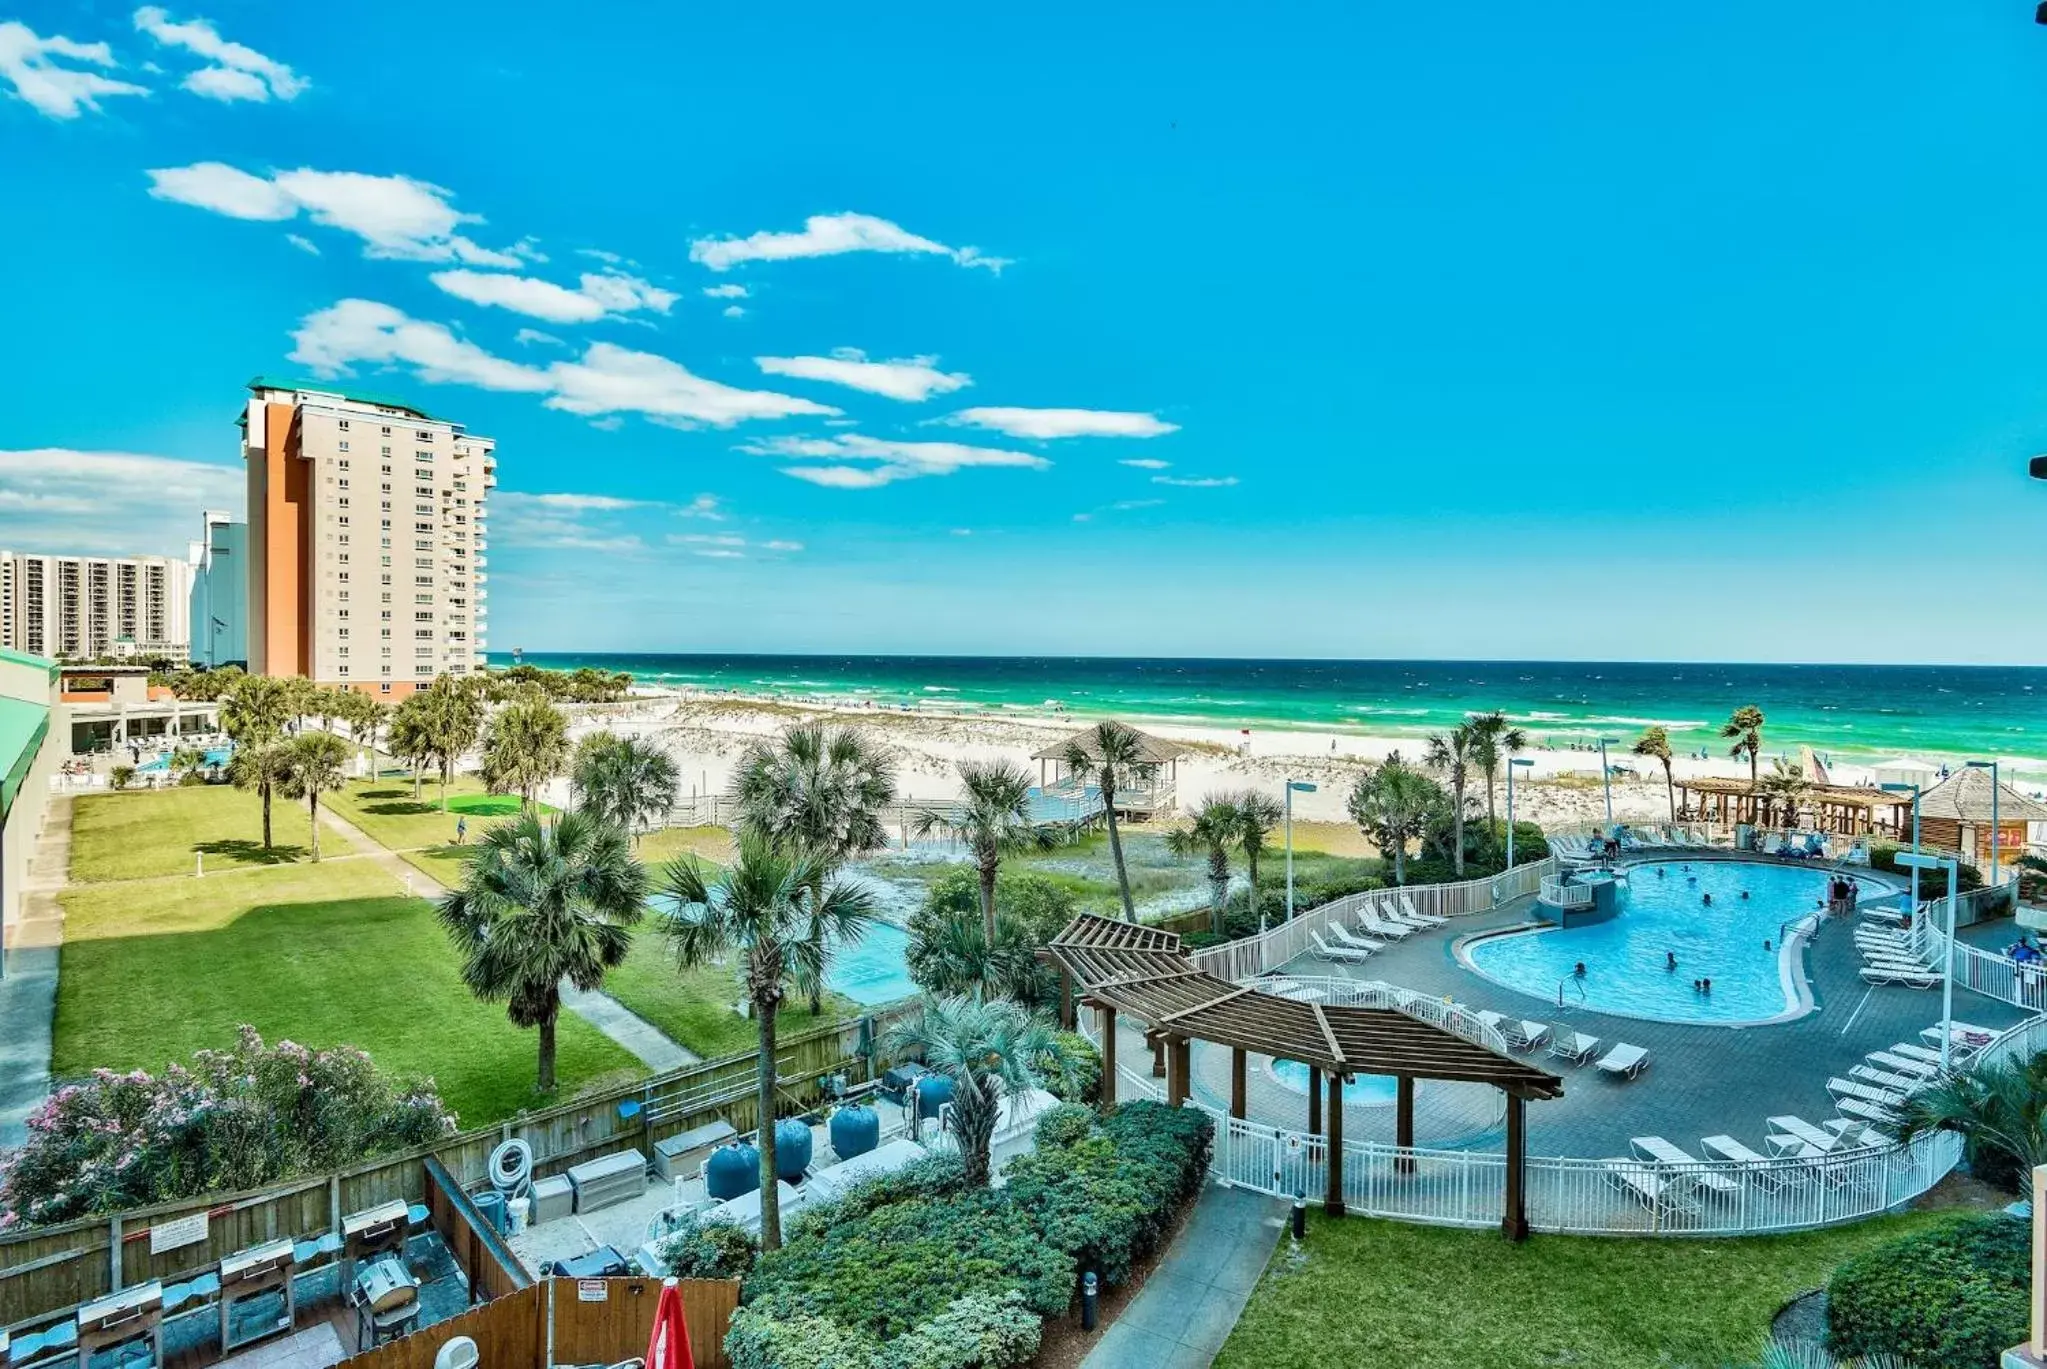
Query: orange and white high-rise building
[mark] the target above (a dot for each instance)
(367, 539)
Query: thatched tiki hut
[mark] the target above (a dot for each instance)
(1145, 792)
(1955, 814)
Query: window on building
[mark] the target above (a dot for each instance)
(426, 436)
(341, 446)
(422, 617)
(422, 456)
(343, 425)
(387, 432)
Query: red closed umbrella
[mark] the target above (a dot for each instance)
(668, 1344)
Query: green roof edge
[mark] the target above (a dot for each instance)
(345, 391)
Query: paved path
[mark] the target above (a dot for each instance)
(1187, 1308)
(28, 995)
(642, 1038)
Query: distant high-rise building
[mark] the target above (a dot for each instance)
(220, 593)
(86, 607)
(366, 538)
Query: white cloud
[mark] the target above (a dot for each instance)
(302, 243)
(61, 89)
(734, 311)
(913, 380)
(704, 506)
(829, 235)
(1145, 463)
(395, 216)
(729, 546)
(576, 503)
(238, 72)
(893, 460)
(726, 292)
(570, 522)
(607, 379)
(1209, 482)
(599, 254)
(599, 296)
(1125, 505)
(526, 337)
(54, 499)
(1046, 424)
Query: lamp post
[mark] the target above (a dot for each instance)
(1513, 761)
(1292, 787)
(1606, 778)
(1947, 968)
(1991, 766)
(1899, 789)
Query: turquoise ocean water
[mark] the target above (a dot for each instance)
(1853, 711)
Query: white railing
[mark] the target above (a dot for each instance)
(1997, 976)
(1558, 894)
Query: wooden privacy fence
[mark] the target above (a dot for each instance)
(46, 1271)
(595, 1321)
(510, 1333)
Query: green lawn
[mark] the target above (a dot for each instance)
(325, 955)
(695, 1007)
(1371, 1292)
(149, 832)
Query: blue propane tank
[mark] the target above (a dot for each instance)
(934, 1091)
(854, 1130)
(732, 1171)
(792, 1149)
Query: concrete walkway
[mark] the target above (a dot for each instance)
(647, 1042)
(28, 995)
(1191, 1302)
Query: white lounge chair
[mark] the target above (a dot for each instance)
(1420, 919)
(1967, 1035)
(1903, 1064)
(1666, 1152)
(1850, 1088)
(1625, 1060)
(1345, 937)
(1524, 1034)
(1374, 920)
(1905, 976)
(1575, 1047)
(1876, 1113)
(1329, 952)
(1884, 1079)
(1760, 1172)
(1647, 1184)
(1887, 961)
(1800, 1133)
(1913, 1051)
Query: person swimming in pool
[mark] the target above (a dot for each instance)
(1660, 872)
(1744, 893)
(1706, 987)
(1669, 961)
(1766, 943)
(1706, 899)
(1578, 970)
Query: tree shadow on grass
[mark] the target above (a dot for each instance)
(405, 808)
(252, 852)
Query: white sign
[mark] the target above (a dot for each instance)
(592, 1290)
(182, 1232)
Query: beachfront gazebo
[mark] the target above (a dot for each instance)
(1850, 810)
(1956, 814)
(1140, 795)
(1125, 967)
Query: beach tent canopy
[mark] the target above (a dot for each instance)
(1906, 765)
(1152, 750)
(1965, 797)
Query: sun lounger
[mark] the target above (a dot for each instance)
(1329, 952)
(1894, 916)
(1420, 919)
(1524, 1034)
(1801, 1133)
(1902, 1064)
(1575, 1047)
(1625, 1060)
(1873, 1112)
(1849, 1088)
(1345, 937)
(1905, 976)
(1647, 1184)
(1375, 922)
(1760, 1171)
(1966, 1035)
(1911, 1050)
(1856, 1133)
(1884, 1079)
(1888, 961)
(1665, 1152)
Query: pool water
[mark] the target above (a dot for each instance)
(872, 971)
(1363, 1091)
(1662, 912)
(215, 756)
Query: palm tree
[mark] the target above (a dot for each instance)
(1453, 753)
(1217, 825)
(585, 758)
(412, 736)
(525, 744)
(958, 957)
(1393, 805)
(1496, 742)
(1257, 815)
(453, 715)
(314, 765)
(1107, 753)
(255, 708)
(1999, 1110)
(186, 759)
(1786, 785)
(991, 1050)
(629, 781)
(365, 716)
(775, 912)
(1744, 727)
(263, 766)
(1655, 742)
(994, 818)
(817, 791)
(539, 903)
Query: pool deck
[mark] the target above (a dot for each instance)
(1700, 1081)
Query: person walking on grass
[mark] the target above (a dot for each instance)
(461, 830)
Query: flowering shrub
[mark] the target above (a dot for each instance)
(236, 1119)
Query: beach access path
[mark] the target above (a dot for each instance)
(28, 993)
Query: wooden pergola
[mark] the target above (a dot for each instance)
(1850, 810)
(1129, 968)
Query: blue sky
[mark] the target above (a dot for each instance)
(1351, 330)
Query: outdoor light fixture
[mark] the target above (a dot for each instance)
(1916, 861)
(1899, 789)
(1606, 778)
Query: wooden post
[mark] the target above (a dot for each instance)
(1514, 1224)
(1315, 1099)
(1403, 1122)
(1157, 1041)
(1179, 1065)
(1065, 999)
(1105, 1021)
(113, 1254)
(1237, 1083)
(1332, 1201)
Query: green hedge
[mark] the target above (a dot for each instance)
(1953, 1298)
(856, 1285)
(1883, 855)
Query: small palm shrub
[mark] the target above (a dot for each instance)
(1951, 1298)
(708, 1250)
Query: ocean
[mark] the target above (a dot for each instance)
(1861, 711)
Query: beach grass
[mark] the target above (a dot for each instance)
(146, 833)
(1371, 1292)
(325, 955)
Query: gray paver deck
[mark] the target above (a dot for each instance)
(1188, 1306)
(28, 995)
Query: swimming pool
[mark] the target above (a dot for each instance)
(1736, 942)
(215, 756)
(872, 971)
(1363, 1091)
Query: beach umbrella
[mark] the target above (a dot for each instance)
(668, 1343)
